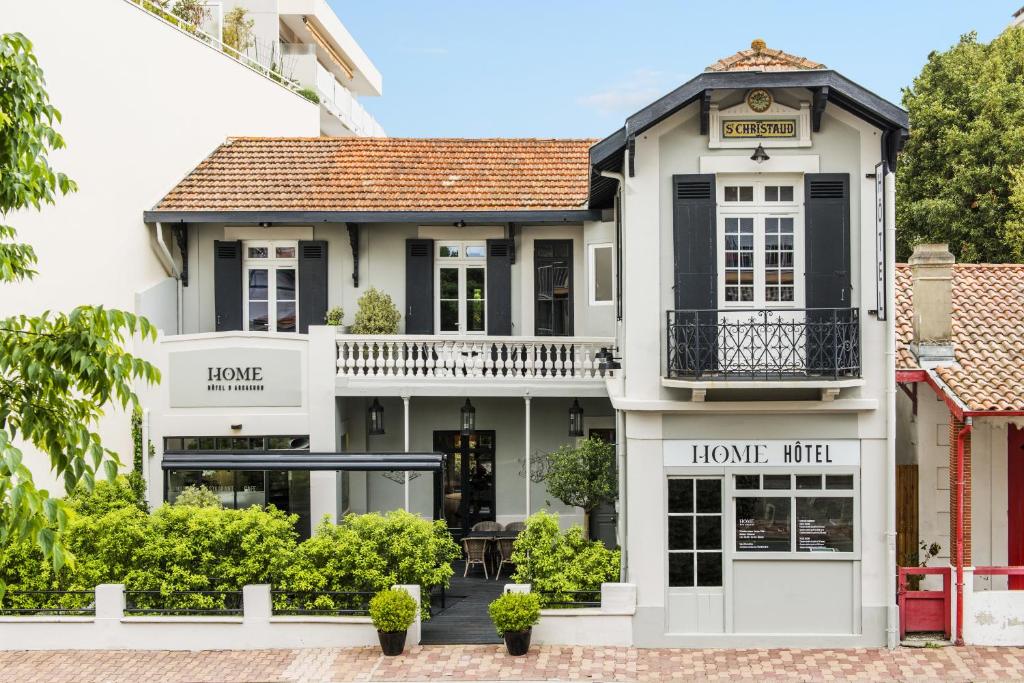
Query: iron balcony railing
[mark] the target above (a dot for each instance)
(763, 344)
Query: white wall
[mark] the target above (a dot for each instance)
(142, 104)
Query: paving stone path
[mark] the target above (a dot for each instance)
(488, 662)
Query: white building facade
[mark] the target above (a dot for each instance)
(711, 286)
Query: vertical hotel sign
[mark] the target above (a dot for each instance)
(880, 282)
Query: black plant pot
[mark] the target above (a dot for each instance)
(392, 643)
(518, 642)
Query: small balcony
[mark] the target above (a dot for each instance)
(555, 365)
(797, 347)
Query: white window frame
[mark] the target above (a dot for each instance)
(793, 494)
(271, 264)
(461, 262)
(722, 515)
(759, 209)
(592, 273)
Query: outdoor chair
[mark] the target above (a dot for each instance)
(487, 526)
(504, 554)
(515, 527)
(476, 553)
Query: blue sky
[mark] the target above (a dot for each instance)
(569, 68)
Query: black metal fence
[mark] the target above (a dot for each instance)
(763, 344)
(321, 603)
(569, 599)
(211, 603)
(48, 603)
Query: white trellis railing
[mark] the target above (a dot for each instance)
(468, 357)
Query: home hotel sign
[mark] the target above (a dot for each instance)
(235, 378)
(766, 453)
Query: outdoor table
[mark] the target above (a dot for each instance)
(491, 537)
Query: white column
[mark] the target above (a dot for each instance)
(405, 410)
(526, 401)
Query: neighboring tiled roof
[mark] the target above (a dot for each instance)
(905, 360)
(386, 174)
(762, 58)
(988, 334)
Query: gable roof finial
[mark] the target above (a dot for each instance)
(758, 45)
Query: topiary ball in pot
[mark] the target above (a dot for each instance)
(514, 615)
(392, 612)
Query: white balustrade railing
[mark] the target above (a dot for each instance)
(465, 357)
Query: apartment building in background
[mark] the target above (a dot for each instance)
(142, 98)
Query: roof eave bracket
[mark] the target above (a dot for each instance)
(705, 112)
(818, 108)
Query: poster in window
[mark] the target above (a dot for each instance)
(824, 525)
(762, 524)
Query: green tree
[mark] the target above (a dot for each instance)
(57, 370)
(238, 30)
(583, 476)
(961, 176)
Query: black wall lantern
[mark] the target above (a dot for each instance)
(375, 419)
(575, 419)
(468, 418)
(760, 155)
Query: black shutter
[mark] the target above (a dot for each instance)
(696, 257)
(312, 283)
(693, 342)
(419, 286)
(827, 240)
(499, 287)
(826, 268)
(227, 285)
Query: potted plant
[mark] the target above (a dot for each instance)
(392, 612)
(514, 615)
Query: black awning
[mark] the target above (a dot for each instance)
(249, 460)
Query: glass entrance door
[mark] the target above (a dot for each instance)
(469, 487)
(694, 543)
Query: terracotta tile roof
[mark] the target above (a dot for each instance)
(988, 334)
(760, 57)
(905, 360)
(386, 174)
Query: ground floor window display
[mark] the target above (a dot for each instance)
(238, 489)
(741, 514)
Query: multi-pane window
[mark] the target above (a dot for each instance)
(739, 259)
(270, 272)
(461, 287)
(760, 230)
(778, 258)
(694, 532)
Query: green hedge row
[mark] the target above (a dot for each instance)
(192, 548)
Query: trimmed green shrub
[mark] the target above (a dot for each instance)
(377, 314)
(392, 610)
(514, 612)
(583, 476)
(105, 496)
(371, 553)
(557, 564)
(198, 496)
(334, 316)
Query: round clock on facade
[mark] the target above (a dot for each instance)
(759, 100)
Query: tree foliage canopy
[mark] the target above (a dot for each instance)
(584, 475)
(961, 176)
(57, 370)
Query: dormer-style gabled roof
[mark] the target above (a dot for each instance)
(762, 58)
(758, 67)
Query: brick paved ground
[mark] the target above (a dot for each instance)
(486, 662)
